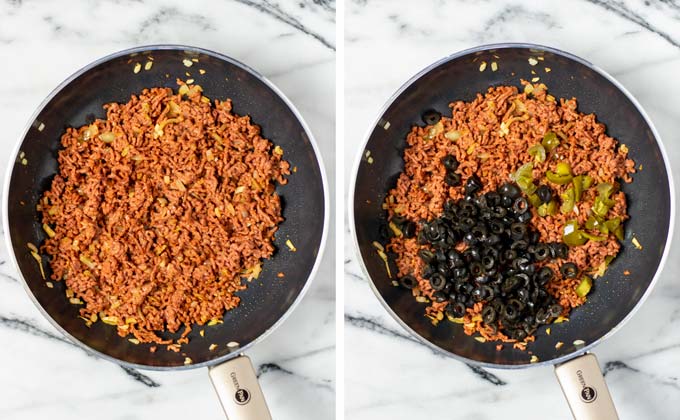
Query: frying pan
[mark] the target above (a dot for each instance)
(614, 299)
(266, 302)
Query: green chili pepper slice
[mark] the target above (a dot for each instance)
(534, 200)
(550, 141)
(558, 179)
(618, 232)
(538, 152)
(587, 182)
(593, 237)
(563, 168)
(600, 207)
(584, 287)
(572, 236)
(592, 223)
(578, 187)
(568, 200)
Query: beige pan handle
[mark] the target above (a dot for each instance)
(239, 390)
(585, 389)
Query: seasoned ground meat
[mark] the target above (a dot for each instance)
(159, 211)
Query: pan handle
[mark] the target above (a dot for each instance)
(585, 389)
(239, 390)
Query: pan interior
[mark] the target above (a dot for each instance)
(649, 197)
(78, 102)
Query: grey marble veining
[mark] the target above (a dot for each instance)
(390, 375)
(41, 43)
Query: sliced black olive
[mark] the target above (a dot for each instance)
(488, 314)
(431, 117)
(482, 279)
(460, 273)
(542, 316)
(508, 255)
(510, 190)
(488, 262)
(492, 198)
(477, 294)
(541, 252)
(519, 244)
(490, 251)
(432, 233)
(439, 297)
(569, 270)
(500, 213)
(452, 179)
(450, 163)
(428, 270)
(534, 236)
(521, 205)
(472, 185)
(472, 254)
(518, 231)
(506, 202)
(524, 217)
(466, 224)
(409, 229)
(470, 238)
(545, 274)
(458, 309)
(522, 295)
(480, 232)
(444, 270)
(544, 193)
(510, 284)
(555, 310)
(440, 255)
(408, 282)
(476, 269)
(422, 238)
(437, 281)
(510, 312)
(496, 226)
(518, 334)
(469, 208)
(559, 250)
(426, 255)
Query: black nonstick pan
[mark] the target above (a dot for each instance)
(614, 299)
(267, 301)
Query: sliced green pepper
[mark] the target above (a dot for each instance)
(584, 287)
(600, 207)
(587, 182)
(612, 224)
(568, 200)
(593, 237)
(523, 177)
(578, 187)
(538, 152)
(618, 232)
(563, 168)
(534, 200)
(605, 189)
(550, 141)
(547, 209)
(572, 236)
(592, 223)
(558, 179)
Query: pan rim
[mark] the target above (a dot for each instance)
(191, 49)
(415, 78)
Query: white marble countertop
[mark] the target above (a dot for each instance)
(388, 374)
(41, 43)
